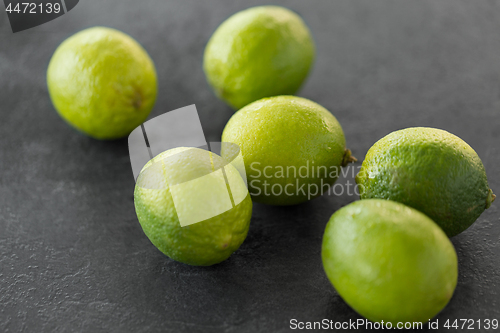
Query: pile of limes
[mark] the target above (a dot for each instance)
(388, 255)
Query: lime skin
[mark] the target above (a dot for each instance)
(258, 52)
(389, 262)
(205, 243)
(431, 170)
(102, 82)
(280, 139)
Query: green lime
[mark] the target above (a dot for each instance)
(389, 262)
(292, 147)
(258, 52)
(194, 187)
(431, 170)
(102, 82)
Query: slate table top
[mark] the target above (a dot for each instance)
(73, 257)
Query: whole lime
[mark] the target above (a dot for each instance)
(102, 82)
(190, 209)
(431, 170)
(292, 148)
(258, 52)
(389, 261)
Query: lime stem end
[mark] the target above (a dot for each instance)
(490, 198)
(348, 158)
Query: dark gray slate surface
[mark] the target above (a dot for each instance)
(72, 254)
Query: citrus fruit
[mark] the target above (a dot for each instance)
(258, 52)
(292, 148)
(389, 261)
(102, 82)
(431, 170)
(188, 184)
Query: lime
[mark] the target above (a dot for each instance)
(431, 170)
(189, 184)
(102, 82)
(258, 52)
(292, 148)
(389, 262)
